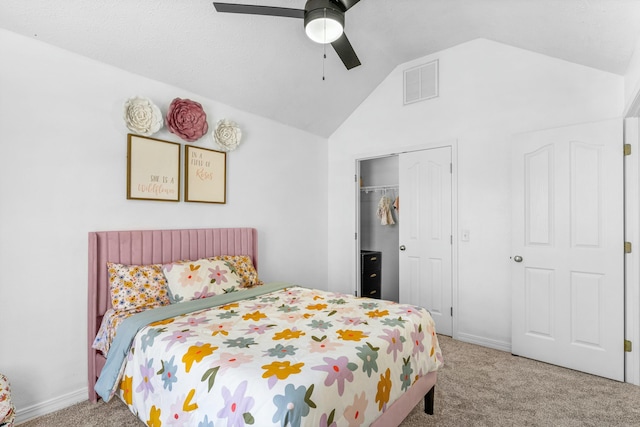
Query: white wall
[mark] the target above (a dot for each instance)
(63, 174)
(632, 81)
(488, 92)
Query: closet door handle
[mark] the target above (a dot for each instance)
(374, 258)
(373, 275)
(403, 247)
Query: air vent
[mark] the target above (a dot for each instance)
(421, 82)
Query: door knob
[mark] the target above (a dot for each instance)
(403, 247)
(517, 258)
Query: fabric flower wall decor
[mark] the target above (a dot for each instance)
(227, 135)
(187, 119)
(142, 116)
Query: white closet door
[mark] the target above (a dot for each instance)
(425, 233)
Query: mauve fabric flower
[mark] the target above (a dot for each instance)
(187, 119)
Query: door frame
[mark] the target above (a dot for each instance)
(630, 115)
(632, 260)
(387, 152)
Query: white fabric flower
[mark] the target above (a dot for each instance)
(142, 116)
(227, 135)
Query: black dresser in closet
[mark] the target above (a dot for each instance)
(371, 273)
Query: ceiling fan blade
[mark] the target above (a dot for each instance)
(259, 10)
(348, 4)
(345, 51)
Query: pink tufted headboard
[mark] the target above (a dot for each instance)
(151, 247)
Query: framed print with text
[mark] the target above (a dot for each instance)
(153, 169)
(205, 174)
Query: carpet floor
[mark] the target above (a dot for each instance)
(477, 386)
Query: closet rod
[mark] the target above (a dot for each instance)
(369, 188)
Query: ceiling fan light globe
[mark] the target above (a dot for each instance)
(323, 23)
(324, 30)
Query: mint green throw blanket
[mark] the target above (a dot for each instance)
(106, 384)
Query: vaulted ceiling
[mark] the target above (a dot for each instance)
(267, 66)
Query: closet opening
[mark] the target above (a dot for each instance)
(379, 232)
(406, 247)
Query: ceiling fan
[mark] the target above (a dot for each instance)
(323, 22)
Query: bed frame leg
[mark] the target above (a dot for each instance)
(428, 401)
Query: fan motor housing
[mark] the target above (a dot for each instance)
(324, 4)
(315, 9)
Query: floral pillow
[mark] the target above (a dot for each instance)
(136, 286)
(110, 322)
(189, 280)
(243, 267)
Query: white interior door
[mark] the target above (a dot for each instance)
(425, 233)
(568, 247)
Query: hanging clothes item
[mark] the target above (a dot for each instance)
(384, 211)
(396, 204)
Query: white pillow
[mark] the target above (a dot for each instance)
(189, 280)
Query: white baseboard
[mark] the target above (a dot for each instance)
(52, 405)
(485, 342)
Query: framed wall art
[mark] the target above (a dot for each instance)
(153, 169)
(205, 175)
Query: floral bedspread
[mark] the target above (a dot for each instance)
(298, 357)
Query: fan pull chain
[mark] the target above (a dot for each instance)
(324, 59)
(324, 45)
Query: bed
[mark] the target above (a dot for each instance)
(273, 354)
